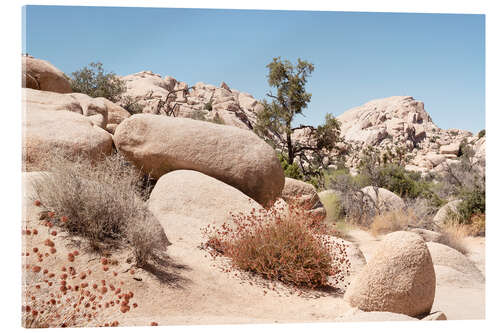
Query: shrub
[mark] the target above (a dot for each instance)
(477, 226)
(357, 207)
(102, 202)
(290, 170)
(473, 203)
(453, 234)
(198, 115)
(132, 105)
(481, 133)
(280, 245)
(96, 82)
(208, 106)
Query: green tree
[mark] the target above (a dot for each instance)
(288, 100)
(94, 81)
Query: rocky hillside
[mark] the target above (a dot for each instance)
(402, 121)
(201, 101)
(387, 123)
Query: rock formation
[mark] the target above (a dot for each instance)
(159, 144)
(42, 75)
(398, 278)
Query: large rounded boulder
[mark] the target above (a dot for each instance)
(159, 144)
(186, 201)
(303, 195)
(51, 123)
(42, 75)
(445, 211)
(384, 199)
(398, 278)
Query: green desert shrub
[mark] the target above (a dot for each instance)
(473, 203)
(291, 170)
(94, 81)
(481, 133)
(132, 105)
(208, 106)
(103, 202)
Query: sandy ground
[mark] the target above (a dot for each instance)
(198, 291)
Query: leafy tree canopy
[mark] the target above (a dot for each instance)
(94, 81)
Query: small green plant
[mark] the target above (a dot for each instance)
(291, 170)
(333, 206)
(208, 106)
(96, 82)
(473, 203)
(132, 105)
(481, 133)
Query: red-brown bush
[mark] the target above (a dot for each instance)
(280, 244)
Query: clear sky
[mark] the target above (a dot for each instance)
(436, 58)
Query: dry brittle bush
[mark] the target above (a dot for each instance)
(281, 244)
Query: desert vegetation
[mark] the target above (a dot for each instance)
(274, 121)
(93, 80)
(283, 244)
(102, 202)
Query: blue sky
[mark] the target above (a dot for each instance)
(436, 58)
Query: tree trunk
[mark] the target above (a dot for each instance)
(290, 148)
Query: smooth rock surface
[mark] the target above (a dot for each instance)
(159, 144)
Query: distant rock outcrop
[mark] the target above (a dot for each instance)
(386, 123)
(401, 121)
(201, 101)
(398, 116)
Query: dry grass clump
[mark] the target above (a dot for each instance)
(281, 244)
(453, 234)
(102, 201)
(67, 295)
(453, 231)
(391, 221)
(477, 226)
